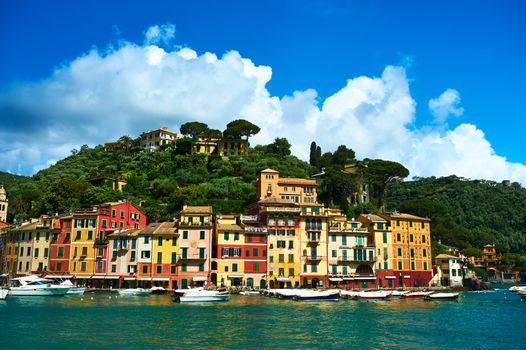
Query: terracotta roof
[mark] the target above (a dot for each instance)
(131, 232)
(405, 216)
(229, 227)
(3, 224)
(373, 218)
(295, 181)
(160, 228)
(446, 256)
(268, 170)
(197, 210)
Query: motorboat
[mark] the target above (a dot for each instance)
(199, 296)
(157, 290)
(249, 292)
(442, 296)
(318, 295)
(516, 289)
(416, 295)
(3, 293)
(374, 294)
(134, 292)
(36, 286)
(398, 293)
(65, 281)
(179, 292)
(286, 293)
(349, 294)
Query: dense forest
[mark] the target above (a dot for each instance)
(466, 213)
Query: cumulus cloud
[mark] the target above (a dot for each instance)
(445, 105)
(162, 35)
(101, 96)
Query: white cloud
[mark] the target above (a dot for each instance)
(101, 96)
(447, 104)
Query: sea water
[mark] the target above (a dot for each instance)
(479, 320)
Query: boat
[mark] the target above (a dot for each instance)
(516, 289)
(36, 286)
(373, 294)
(442, 296)
(3, 293)
(416, 295)
(200, 296)
(349, 294)
(179, 292)
(286, 293)
(73, 290)
(318, 295)
(249, 292)
(134, 292)
(157, 290)
(398, 293)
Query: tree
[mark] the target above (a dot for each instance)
(343, 156)
(315, 155)
(193, 129)
(240, 127)
(281, 147)
(183, 146)
(379, 173)
(212, 134)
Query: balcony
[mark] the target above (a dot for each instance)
(315, 214)
(252, 218)
(345, 258)
(313, 239)
(99, 241)
(282, 210)
(252, 229)
(194, 224)
(348, 230)
(313, 258)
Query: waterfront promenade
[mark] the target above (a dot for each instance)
(479, 320)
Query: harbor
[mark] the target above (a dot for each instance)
(256, 321)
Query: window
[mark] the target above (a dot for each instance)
(113, 213)
(247, 253)
(47, 236)
(424, 253)
(234, 267)
(133, 243)
(159, 257)
(399, 265)
(83, 266)
(226, 268)
(60, 252)
(201, 267)
(423, 238)
(145, 269)
(28, 251)
(37, 236)
(412, 265)
(410, 224)
(184, 252)
(334, 253)
(77, 237)
(249, 238)
(236, 236)
(173, 270)
(115, 244)
(291, 244)
(397, 222)
(305, 268)
(334, 269)
(344, 240)
(314, 268)
(68, 236)
(84, 251)
(113, 268)
(160, 241)
(75, 251)
(90, 235)
(398, 237)
(159, 269)
(412, 252)
(333, 238)
(281, 258)
(132, 256)
(226, 236)
(36, 252)
(385, 237)
(291, 258)
(411, 238)
(59, 266)
(146, 239)
(122, 214)
(291, 272)
(271, 259)
(425, 266)
(145, 254)
(399, 251)
(121, 224)
(386, 265)
(104, 223)
(202, 252)
(255, 252)
(46, 252)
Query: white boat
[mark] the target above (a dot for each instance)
(286, 293)
(73, 290)
(157, 290)
(36, 286)
(349, 294)
(3, 293)
(187, 290)
(442, 296)
(134, 292)
(416, 295)
(318, 295)
(249, 292)
(516, 289)
(202, 296)
(380, 294)
(398, 293)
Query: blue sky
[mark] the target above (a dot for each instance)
(475, 48)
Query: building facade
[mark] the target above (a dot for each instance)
(313, 246)
(449, 270)
(300, 191)
(4, 202)
(153, 140)
(224, 147)
(60, 246)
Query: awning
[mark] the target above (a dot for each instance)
(390, 277)
(200, 279)
(407, 276)
(365, 278)
(283, 279)
(111, 277)
(83, 277)
(335, 279)
(59, 276)
(160, 279)
(235, 275)
(145, 279)
(129, 278)
(348, 278)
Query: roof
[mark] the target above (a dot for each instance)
(160, 228)
(446, 256)
(164, 129)
(187, 209)
(275, 200)
(268, 170)
(3, 224)
(229, 227)
(407, 217)
(296, 181)
(28, 226)
(373, 218)
(131, 232)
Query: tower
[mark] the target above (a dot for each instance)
(3, 204)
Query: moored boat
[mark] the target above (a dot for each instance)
(3, 293)
(516, 289)
(442, 296)
(134, 292)
(315, 295)
(380, 294)
(416, 295)
(398, 293)
(349, 294)
(203, 296)
(249, 292)
(157, 290)
(36, 286)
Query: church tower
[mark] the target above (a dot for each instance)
(3, 204)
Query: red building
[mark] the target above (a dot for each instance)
(60, 246)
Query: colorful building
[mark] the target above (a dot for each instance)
(313, 246)
(122, 258)
(114, 183)
(255, 257)
(449, 270)
(4, 202)
(60, 245)
(228, 263)
(153, 140)
(300, 191)
(45, 229)
(411, 249)
(20, 248)
(224, 147)
(195, 234)
(351, 254)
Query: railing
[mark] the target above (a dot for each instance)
(255, 229)
(347, 258)
(191, 257)
(351, 229)
(99, 241)
(249, 218)
(196, 224)
(282, 210)
(311, 213)
(314, 258)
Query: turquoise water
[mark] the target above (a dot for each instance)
(483, 320)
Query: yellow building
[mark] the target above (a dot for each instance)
(83, 236)
(300, 191)
(43, 233)
(19, 248)
(165, 252)
(153, 140)
(313, 246)
(115, 183)
(224, 147)
(229, 243)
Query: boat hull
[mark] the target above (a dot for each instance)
(443, 296)
(318, 298)
(3, 293)
(30, 292)
(135, 292)
(203, 299)
(76, 291)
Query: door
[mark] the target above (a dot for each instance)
(184, 284)
(390, 283)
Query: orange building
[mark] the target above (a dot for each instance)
(300, 191)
